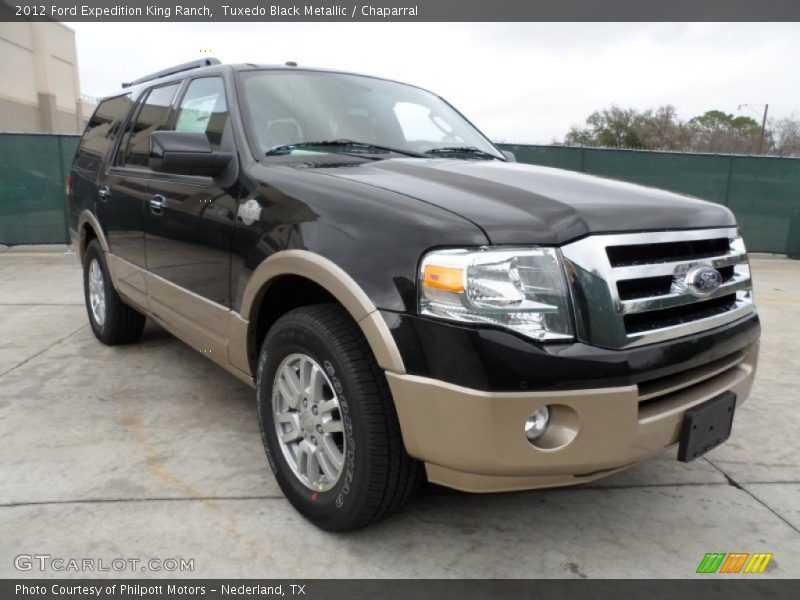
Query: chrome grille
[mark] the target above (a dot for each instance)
(629, 289)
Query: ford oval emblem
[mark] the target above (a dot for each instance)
(701, 281)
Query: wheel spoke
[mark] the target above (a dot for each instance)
(333, 426)
(328, 406)
(308, 463)
(316, 383)
(305, 375)
(295, 388)
(330, 459)
(290, 427)
(289, 398)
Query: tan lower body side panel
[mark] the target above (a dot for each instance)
(209, 328)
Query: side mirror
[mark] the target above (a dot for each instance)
(185, 153)
(510, 157)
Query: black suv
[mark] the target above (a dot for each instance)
(406, 300)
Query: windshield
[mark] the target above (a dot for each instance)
(290, 108)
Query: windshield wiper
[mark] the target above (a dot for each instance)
(287, 148)
(471, 150)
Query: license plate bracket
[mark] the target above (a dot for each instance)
(706, 426)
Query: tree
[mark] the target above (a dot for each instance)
(613, 127)
(617, 127)
(716, 131)
(786, 136)
(661, 129)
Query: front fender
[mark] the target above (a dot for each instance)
(337, 282)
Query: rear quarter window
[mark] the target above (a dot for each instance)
(101, 131)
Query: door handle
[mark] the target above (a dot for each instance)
(104, 193)
(157, 204)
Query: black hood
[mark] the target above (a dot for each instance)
(516, 204)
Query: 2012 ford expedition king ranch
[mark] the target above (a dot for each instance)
(406, 300)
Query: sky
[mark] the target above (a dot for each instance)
(518, 82)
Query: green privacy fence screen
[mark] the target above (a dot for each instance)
(32, 202)
(764, 192)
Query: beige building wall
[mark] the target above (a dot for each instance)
(39, 86)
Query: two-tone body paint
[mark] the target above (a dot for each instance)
(375, 219)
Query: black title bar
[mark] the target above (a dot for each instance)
(400, 10)
(421, 589)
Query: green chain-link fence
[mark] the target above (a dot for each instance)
(763, 192)
(32, 202)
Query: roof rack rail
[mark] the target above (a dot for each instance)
(194, 64)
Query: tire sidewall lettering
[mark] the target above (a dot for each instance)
(344, 406)
(264, 403)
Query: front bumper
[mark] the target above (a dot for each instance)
(473, 440)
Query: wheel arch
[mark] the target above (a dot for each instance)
(88, 229)
(331, 279)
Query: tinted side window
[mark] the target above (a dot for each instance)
(152, 116)
(101, 131)
(204, 109)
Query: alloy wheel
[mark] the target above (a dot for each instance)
(308, 422)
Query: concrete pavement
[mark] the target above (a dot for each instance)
(151, 451)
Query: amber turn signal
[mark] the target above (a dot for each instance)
(443, 278)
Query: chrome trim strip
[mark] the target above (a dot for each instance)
(673, 300)
(668, 268)
(669, 333)
(661, 237)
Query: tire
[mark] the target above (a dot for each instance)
(113, 322)
(376, 476)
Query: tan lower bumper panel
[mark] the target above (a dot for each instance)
(474, 440)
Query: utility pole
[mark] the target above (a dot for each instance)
(763, 129)
(763, 124)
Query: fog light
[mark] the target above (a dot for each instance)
(537, 423)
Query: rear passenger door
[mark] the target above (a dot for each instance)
(122, 198)
(95, 150)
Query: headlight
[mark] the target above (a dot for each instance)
(522, 289)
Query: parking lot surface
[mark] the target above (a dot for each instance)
(150, 451)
